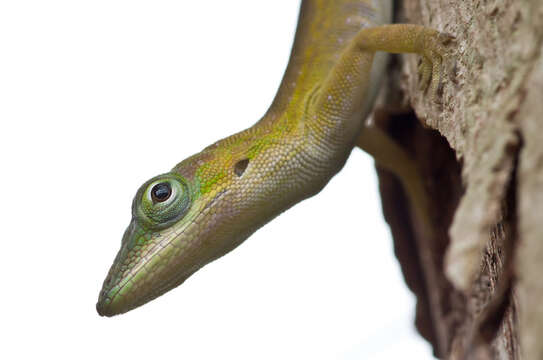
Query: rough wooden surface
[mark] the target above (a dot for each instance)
(483, 157)
(529, 254)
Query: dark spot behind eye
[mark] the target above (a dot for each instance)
(241, 166)
(161, 192)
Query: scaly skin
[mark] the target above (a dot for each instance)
(211, 202)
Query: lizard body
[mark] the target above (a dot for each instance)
(211, 202)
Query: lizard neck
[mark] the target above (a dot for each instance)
(301, 128)
(308, 127)
(300, 108)
(324, 30)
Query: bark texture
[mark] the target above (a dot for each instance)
(477, 278)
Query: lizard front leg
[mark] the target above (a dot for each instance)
(431, 45)
(344, 95)
(355, 63)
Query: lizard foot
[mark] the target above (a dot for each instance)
(430, 69)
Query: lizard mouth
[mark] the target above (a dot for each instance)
(112, 303)
(118, 291)
(141, 273)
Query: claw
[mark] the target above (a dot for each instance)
(425, 74)
(431, 68)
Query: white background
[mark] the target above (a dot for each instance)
(98, 96)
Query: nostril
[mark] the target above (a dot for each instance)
(104, 306)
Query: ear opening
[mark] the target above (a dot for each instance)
(240, 167)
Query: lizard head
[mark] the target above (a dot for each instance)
(181, 221)
(205, 207)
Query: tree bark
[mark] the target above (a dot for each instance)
(480, 150)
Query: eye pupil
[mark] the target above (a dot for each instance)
(161, 192)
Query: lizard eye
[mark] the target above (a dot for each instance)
(161, 192)
(162, 201)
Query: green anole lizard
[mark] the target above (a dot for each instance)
(211, 202)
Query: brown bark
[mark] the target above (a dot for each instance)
(480, 150)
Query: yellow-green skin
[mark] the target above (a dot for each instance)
(226, 192)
